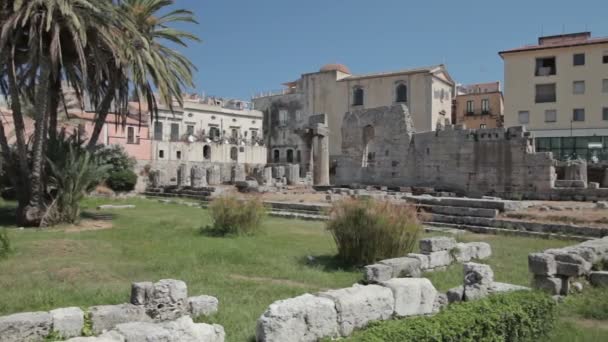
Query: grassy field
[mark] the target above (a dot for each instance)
(94, 264)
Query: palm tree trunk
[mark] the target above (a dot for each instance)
(34, 211)
(102, 114)
(54, 94)
(19, 124)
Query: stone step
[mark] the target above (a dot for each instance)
(460, 211)
(299, 216)
(503, 231)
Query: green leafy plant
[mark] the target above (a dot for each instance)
(514, 317)
(5, 243)
(367, 231)
(124, 180)
(232, 216)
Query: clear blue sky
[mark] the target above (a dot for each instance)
(255, 45)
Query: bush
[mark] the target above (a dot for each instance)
(516, 316)
(368, 231)
(5, 243)
(232, 216)
(124, 180)
(117, 157)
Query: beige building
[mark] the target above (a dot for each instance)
(334, 91)
(479, 105)
(558, 89)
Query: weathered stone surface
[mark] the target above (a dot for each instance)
(436, 244)
(303, 318)
(423, 258)
(403, 267)
(27, 326)
(110, 336)
(292, 173)
(570, 270)
(542, 263)
(439, 259)
(601, 205)
(237, 173)
(168, 300)
(455, 294)
(463, 252)
(202, 306)
(106, 317)
(441, 301)
(180, 330)
(505, 287)
(599, 278)
(198, 177)
(268, 180)
(141, 292)
(551, 285)
(68, 322)
(413, 296)
(248, 186)
(377, 273)
(477, 274)
(214, 175)
(357, 306)
(480, 250)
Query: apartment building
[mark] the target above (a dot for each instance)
(479, 105)
(558, 89)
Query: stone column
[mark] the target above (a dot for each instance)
(322, 161)
(198, 177)
(182, 175)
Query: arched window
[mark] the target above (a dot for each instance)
(207, 152)
(358, 95)
(234, 154)
(290, 156)
(401, 93)
(276, 156)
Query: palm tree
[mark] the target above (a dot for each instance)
(149, 63)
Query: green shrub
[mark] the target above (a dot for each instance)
(124, 180)
(368, 231)
(513, 317)
(232, 216)
(5, 243)
(117, 157)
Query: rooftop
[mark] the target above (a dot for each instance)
(560, 41)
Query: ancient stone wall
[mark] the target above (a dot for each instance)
(380, 147)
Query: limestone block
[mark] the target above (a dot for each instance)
(413, 296)
(182, 171)
(358, 305)
(477, 274)
(542, 263)
(268, 179)
(436, 244)
(278, 171)
(480, 250)
(403, 267)
(106, 317)
(198, 177)
(441, 301)
(423, 258)
(551, 285)
(214, 175)
(140, 292)
(599, 278)
(110, 336)
(68, 322)
(601, 205)
(202, 306)
(237, 173)
(463, 252)
(440, 259)
(292, 173)
(505, 287)
(377, 273)
(184, 329)
(570, 270)
(303, 318)
(593, 185)
(455, 294)
(27, 326)
(168, 300)
(475, 292)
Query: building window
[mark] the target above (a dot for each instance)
(545, 66)
(605, 113)
(550, 115)
(254, 134)
(158, 130)
(234, 154)
(605, 85)
(545, 93)
(130, 135)
(174, 132)
(178, 154)
(578, 114)
(485, 106)
(283, 117)
(401, 93)
(277, 156)
(578, 59)
(161, 154)
(235, 133)
(207, 152)
(358, 95)
(470, 108)
(290, 156)
(524, 117)
(605, 58)
(482, 126)
(578, 87)
(190, 130)
(214, 132)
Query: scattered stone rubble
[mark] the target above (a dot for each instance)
(435, 254)
(157, 312)
(555, 269)
(478, 282)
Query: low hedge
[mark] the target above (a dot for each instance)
(517, 316)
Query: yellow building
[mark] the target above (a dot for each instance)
(479, 105)
(558, 89)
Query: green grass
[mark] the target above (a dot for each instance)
(54, 268)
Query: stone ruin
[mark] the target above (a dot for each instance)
(435, 254)
(556, 269)
(158, 311)
(381, 147)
